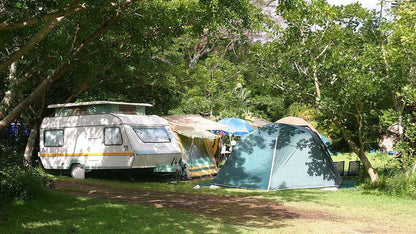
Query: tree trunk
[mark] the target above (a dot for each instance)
(10, 92)
(30, 99)
(30, 146)
(316, 83)
(368, 167)
(359, 151)
(363, 158)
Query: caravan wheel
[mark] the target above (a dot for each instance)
(77, 171)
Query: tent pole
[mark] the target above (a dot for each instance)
(272, 168)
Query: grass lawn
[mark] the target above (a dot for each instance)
(341, 211)
(296, 211)
(61, 213)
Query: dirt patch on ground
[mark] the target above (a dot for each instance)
(233, 209)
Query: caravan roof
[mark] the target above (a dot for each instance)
(99, 107)
(104, 119)
(98, 103)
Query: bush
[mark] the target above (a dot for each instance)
(393, 181)
(18, 182)
(401, 185)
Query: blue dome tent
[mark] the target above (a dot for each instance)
(279, 156)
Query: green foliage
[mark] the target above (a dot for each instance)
(20, 183)
(400, 55)
(393, 181)
(11, 145)
(16, 181)
(328, 58)
(405, 120)
(401, 185)
(398, 184)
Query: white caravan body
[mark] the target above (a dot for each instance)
(107, 141)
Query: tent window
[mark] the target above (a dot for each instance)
(153, 135)
(112, 136)
(195, 148)
(53, 138)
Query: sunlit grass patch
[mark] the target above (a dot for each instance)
(68, 214)
(35, 225)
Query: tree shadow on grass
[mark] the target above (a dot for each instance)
(217, 211)
(59, 213)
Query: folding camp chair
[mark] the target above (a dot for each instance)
(340, 167)
(353, 168)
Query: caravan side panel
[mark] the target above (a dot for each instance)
(94, 147)
(149, 155)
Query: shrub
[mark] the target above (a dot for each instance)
(18, 182)
(393, 180)
(401, 185)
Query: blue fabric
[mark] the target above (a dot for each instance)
(237, 126)
(300, 160)
(327, 143)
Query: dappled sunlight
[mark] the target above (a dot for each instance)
(83, 199)
(35, 225)
(147, 184)
(205, 210)
(75, 208)
(113, 205)
(93, 215)
(46, 211)
(231, 209)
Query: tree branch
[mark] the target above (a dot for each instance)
(59, 72)
(71, 10)
(323, 51)
(33, 41)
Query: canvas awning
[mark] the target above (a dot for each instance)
(292, 120)
(193, 122)
(256, 122)
(197, 134)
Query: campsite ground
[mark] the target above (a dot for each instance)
(92, 205)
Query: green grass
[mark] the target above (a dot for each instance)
(59, 213)
(348, 211)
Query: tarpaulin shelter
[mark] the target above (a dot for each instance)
(236, 127)
(279, 156)
(197, 143)
(390, 138)
(297, 121)
(256, 122)
(193, 122)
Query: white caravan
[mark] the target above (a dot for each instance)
(105, 135)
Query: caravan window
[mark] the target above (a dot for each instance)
(112, 136)
(153, 135)
(53, 138)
